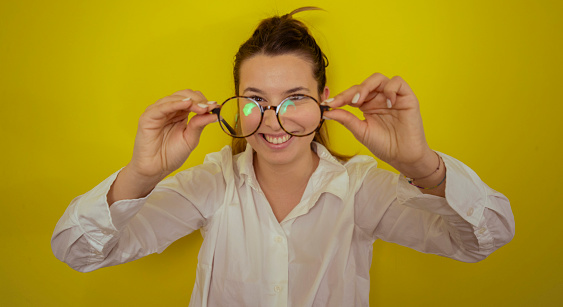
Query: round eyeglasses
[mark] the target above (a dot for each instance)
(298, 115)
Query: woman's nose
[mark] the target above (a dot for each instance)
(270, 118)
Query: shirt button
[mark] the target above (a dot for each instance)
(278, 239)
(277, 289)
(470, 212)
(234, 204)
(482, 230)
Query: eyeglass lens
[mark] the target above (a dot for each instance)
(242, 116)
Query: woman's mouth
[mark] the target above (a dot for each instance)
(276, 140)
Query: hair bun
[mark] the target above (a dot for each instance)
(301, 9)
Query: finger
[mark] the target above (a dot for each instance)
(358, 94)
(375, 85)
(203, 107)
(196, 126)
(174, 111)
(198, 105)
(343, 98)
(187, 94)
(396, 86)
(180, 116)
(165, 110)
(196, 95)
(199, 121)
(348, 120)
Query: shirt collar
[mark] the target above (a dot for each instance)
(330, 176)
(246, 168)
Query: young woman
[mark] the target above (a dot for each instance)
(285, 221)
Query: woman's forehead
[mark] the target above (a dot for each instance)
(276, 74)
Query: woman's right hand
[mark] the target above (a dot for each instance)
(165, 138)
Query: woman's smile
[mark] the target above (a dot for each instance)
(276, 139)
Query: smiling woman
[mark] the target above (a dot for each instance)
(283, 35)
(285, 220)
(272, 79)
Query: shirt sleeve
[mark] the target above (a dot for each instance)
(470, 223)
(91, 234)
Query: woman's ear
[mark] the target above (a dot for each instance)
(326, 94)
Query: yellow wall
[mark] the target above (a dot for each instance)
(76, 75)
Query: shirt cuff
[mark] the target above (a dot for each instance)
(465, 193)
(100, 222)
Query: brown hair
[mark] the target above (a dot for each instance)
(282, 35)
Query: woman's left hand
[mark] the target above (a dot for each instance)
(392, 129)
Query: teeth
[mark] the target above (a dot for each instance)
(277, 140)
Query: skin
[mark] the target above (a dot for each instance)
(274, 79)
(392, 130)
(289, 166)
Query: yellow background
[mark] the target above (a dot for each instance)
(76, 75)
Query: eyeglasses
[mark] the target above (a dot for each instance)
(298, 115)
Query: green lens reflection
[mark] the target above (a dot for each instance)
(248, 108)
(285, 105)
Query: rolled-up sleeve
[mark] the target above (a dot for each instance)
(470, 223)
(91, 234)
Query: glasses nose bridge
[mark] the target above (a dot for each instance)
(271, 120)
(266, 108)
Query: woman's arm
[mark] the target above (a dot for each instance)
(126, 217)
(468, 224)
(91, 234)
(165, 138)
(459, 216)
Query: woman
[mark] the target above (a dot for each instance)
(284, 221)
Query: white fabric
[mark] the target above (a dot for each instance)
(319, 255)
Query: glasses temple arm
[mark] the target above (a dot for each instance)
(225, 124)
(231, 130)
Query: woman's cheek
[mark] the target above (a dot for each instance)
(249, 123)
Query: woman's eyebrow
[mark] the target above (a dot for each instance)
(253, 89)
(288, 92)
(296, 89)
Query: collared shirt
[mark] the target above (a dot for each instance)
(319, 255)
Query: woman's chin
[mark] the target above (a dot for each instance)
(278, 149)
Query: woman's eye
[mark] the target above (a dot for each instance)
(297, 97)
(257, 98)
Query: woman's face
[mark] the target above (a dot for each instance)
(271, 79)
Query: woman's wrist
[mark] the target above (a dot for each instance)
(428, 174)
(131, 185)
(421, 168)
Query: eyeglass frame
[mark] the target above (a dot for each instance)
(263, 109)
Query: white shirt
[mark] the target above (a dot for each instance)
(319, 255)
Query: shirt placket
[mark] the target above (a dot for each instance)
(277, 277)
(278, 283)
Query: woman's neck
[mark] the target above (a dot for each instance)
(291, 175)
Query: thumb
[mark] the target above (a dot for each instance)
(195, 127)
(348, 120)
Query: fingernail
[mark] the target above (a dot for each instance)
(211, 102)
(326, 102)
(326, 118)
(202, 105)
(186, 99)
(356, 98)
(389, 105)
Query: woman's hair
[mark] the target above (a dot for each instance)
(280, 35)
